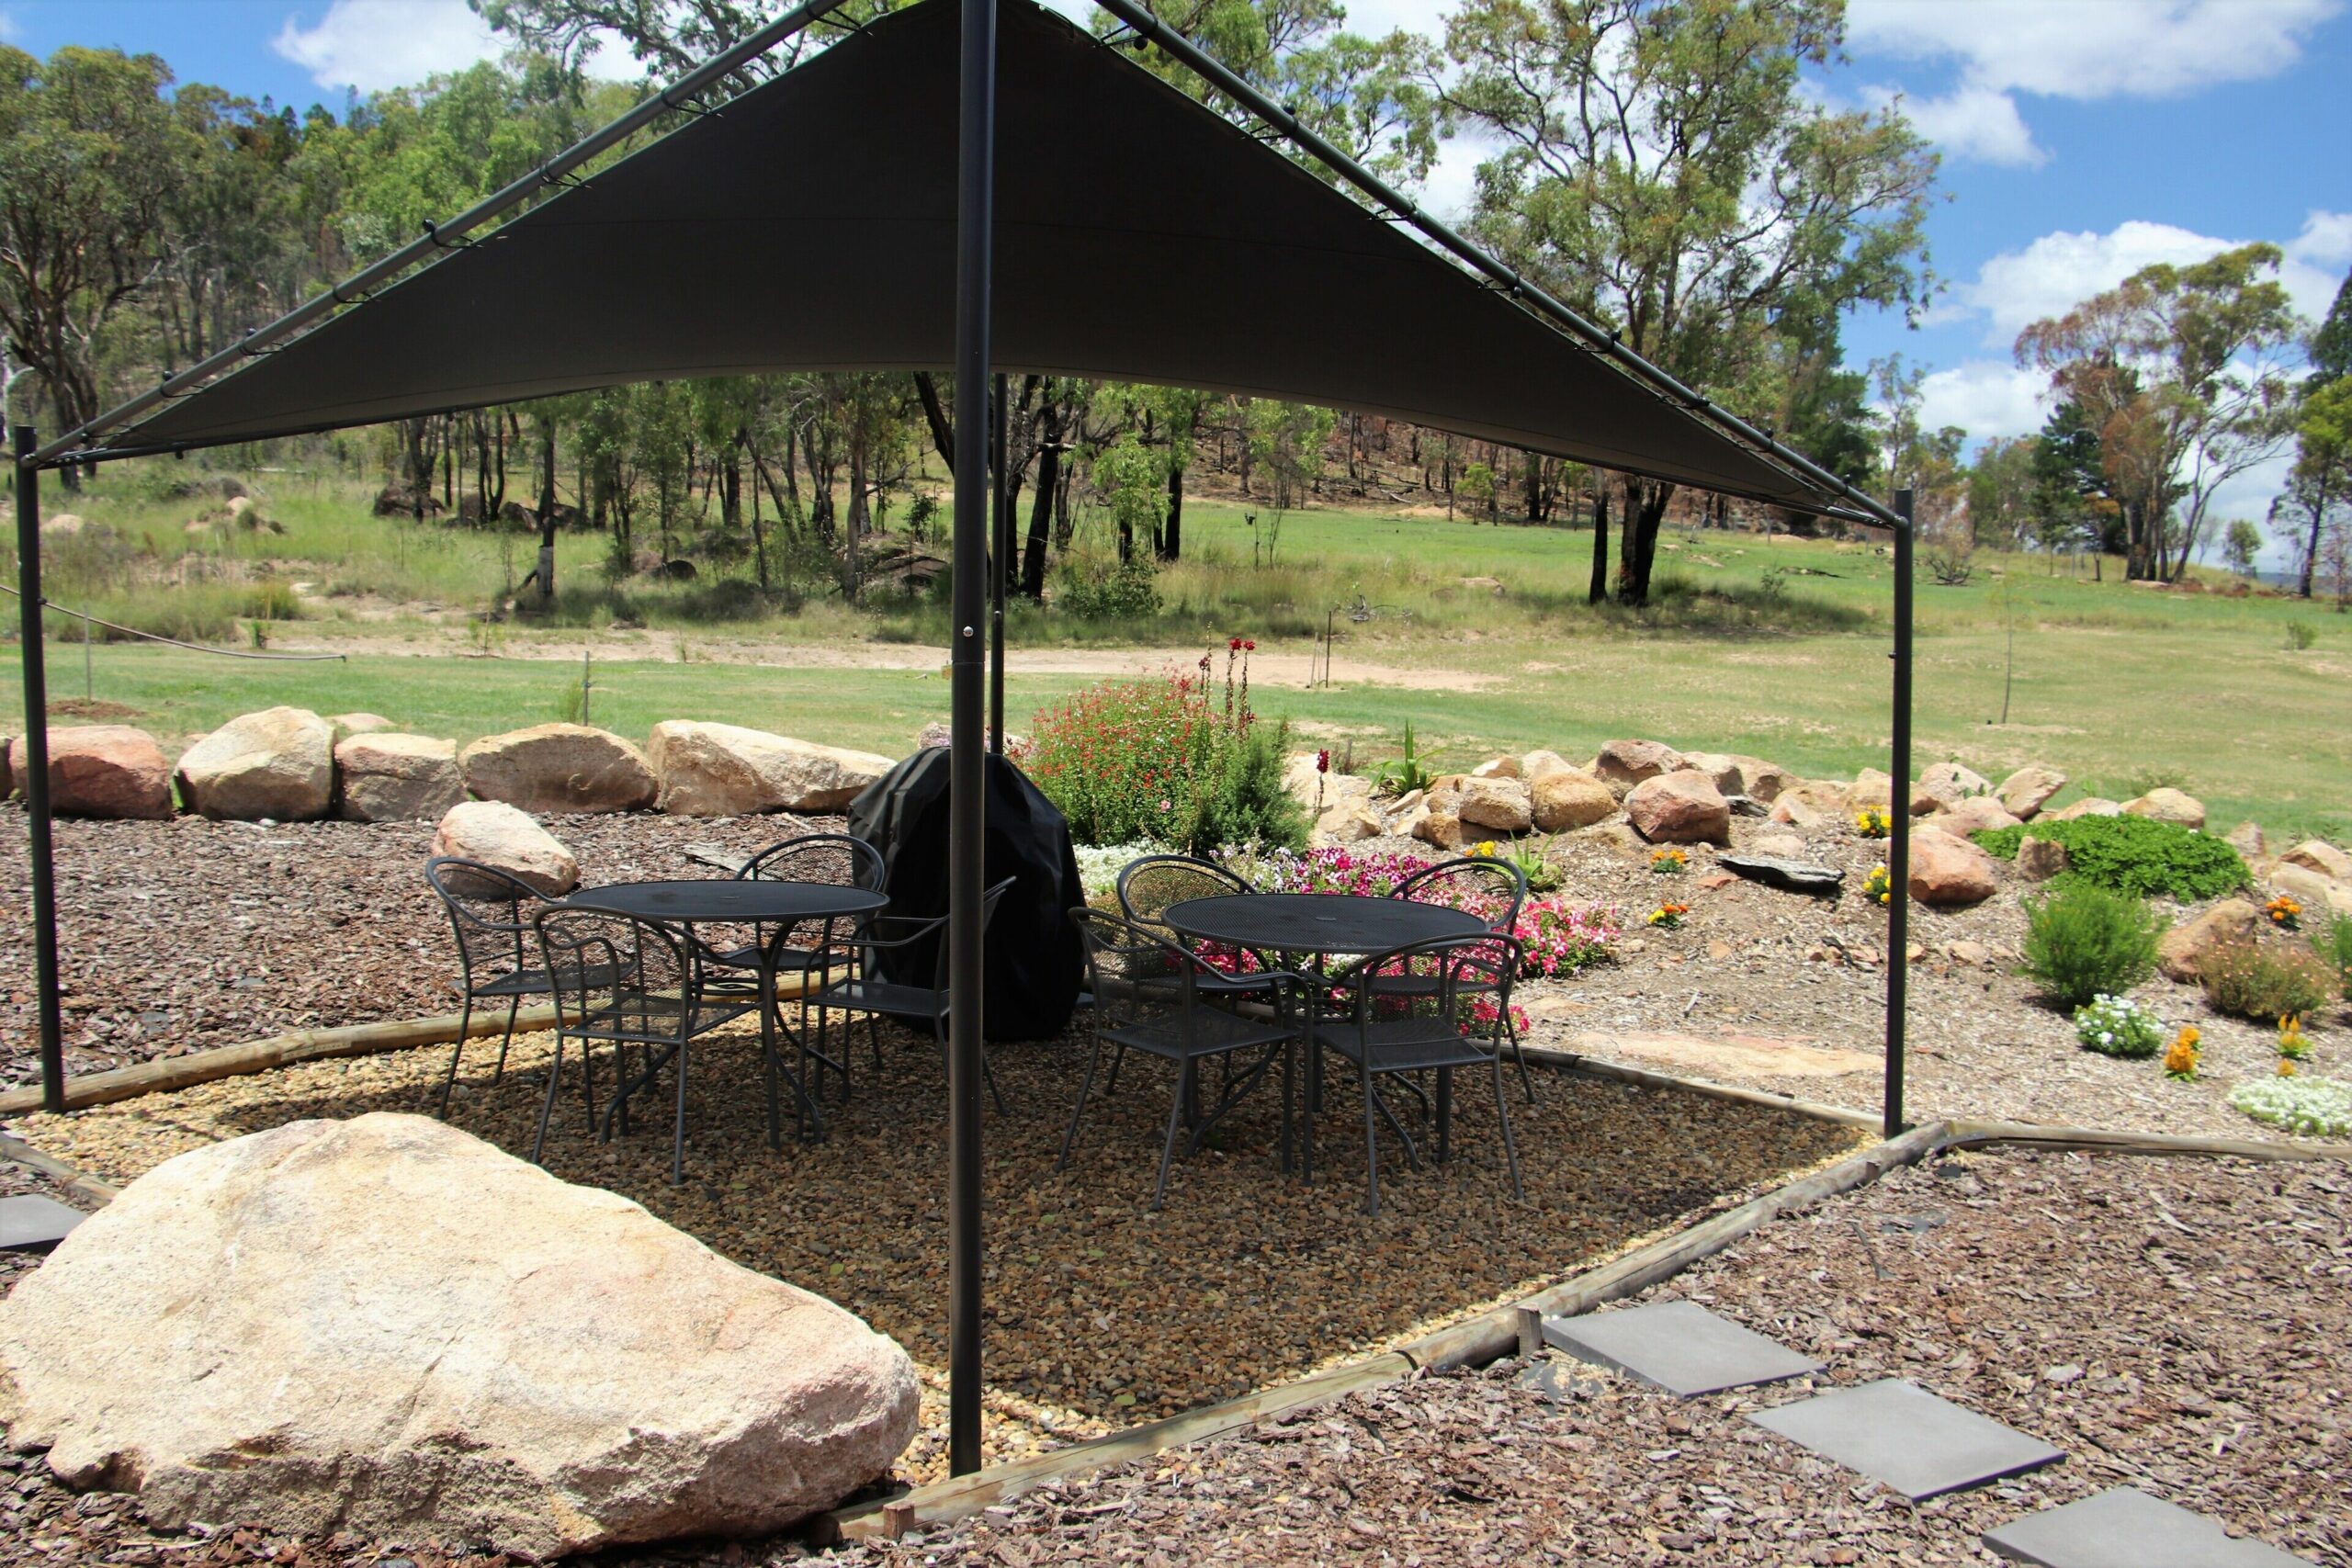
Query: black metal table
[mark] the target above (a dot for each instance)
(727, 901)
(1318, 926)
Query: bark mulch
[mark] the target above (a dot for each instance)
(2182, 1325)
(1102, 1312)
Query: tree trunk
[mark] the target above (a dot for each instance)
(1171, 533)
(1041, 512)
(1645, 502)
(1599, 589)
(942, 431)
(546, 509)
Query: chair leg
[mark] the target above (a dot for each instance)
(465, 1017)
(514, 1007)
(1510, 1149)
(988, 1071)
(1519, 1053)
(678, 1136)
(1175, 1122)
(1118, 1060)
(547, 1106)
(1370, 1143)
(1070, 1139)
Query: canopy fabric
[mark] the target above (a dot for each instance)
(811, 225)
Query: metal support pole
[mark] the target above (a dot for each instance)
(999, 562)
(975, 198)
(1898, 838)
(36, 779)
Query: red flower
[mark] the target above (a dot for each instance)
(1248, 645)
(1233, 646)
(1323, 760)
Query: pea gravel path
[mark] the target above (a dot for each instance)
(2183, 1326)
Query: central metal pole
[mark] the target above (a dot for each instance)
(36, 779)
(975, 217)
(999, 562)
(1898, 838)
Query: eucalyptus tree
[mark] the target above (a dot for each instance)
(1664, 165)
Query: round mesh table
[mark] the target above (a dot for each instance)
(1319, 923)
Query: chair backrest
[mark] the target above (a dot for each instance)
(1467, 983)
(1128, 965)
(1149, 885)
(490, 910)
(837, 858)
(616, 969)
(885, 941)
(1483, 885)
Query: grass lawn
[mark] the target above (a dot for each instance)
(1775, 646)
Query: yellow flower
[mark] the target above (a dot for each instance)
(1486, 847)
(2286, 1066)
(2180, 1060)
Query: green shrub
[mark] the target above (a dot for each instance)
(2264, 983)
(1160, 760)
(2083, 942)
(2332, 943)
(2313, 1108)
(2116, 1026)
(2137, 855)
(1129, 589)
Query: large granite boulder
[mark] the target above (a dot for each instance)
(561, 768)
(100, 770)
(360, 723)
(279, 763)
(1945, 785)
(1870, 787)
(1682, 807)
(1974, 814)
(1497, 804)
(2167, 805)
(387, 1326)
(714, 770)
(2028, 790)
(499, 835)
(1721, 769)
(2232, 922)
(1539, 763)
(1625, 763)
(1316, 789)
(1563, 798)
(1949, 873)
(2089, 806)
(1761, 780)
(385, 776)
(2319, 855)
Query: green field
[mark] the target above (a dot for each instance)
(1772, 648)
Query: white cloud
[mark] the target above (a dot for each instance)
(1986, 397)
(374, 44)
(2094, 48)
(8, 28)
(2060, 270)
(1972, 122)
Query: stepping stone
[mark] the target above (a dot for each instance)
(2125, 1528)
(34, 1222)
(1678, 1346)
(1787, 875)
(1898, 1432)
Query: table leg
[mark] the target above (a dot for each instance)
(1444, 1114)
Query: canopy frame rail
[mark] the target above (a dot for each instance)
(438, 239)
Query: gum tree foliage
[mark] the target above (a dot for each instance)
(2182, 372)
(2318, 487)
(2241, 545)
(2001, 493)
(1663, 166)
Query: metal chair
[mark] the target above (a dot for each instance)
(488, 910)
(1483, 885)
(1136, 1007)
(815, 947)
(1149, 885)
(622, 982)
(867, 990)
(1386, 1030)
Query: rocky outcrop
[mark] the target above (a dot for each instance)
(560, 768)
(510, 841)
(1974, 814)
(1719, 769)
(1949, 873)
(1681, 808)
(387, 1326)
(101, 770)
(1538, 765)
(2182, 954)
(1625, 763)
(2168, 806)
(1787, 875)
(2089, 806)
(2028, 790)
(2039, 860)
(1496, 768)
(278, 764)
(383, 776)
(1761, 780)
(2319, 855)
(1564, 798)
(347, 724)
(1945, 785)
(720, 769)
(1318, 791)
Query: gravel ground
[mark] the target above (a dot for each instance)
(177, 936)
(2182, 1325)
(1102, 1312)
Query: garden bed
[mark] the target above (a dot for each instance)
(1102, 1313)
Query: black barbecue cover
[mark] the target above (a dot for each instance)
(1035, 965)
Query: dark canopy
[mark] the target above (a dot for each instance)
(811, 225)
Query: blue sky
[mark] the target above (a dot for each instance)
(2082, 138)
